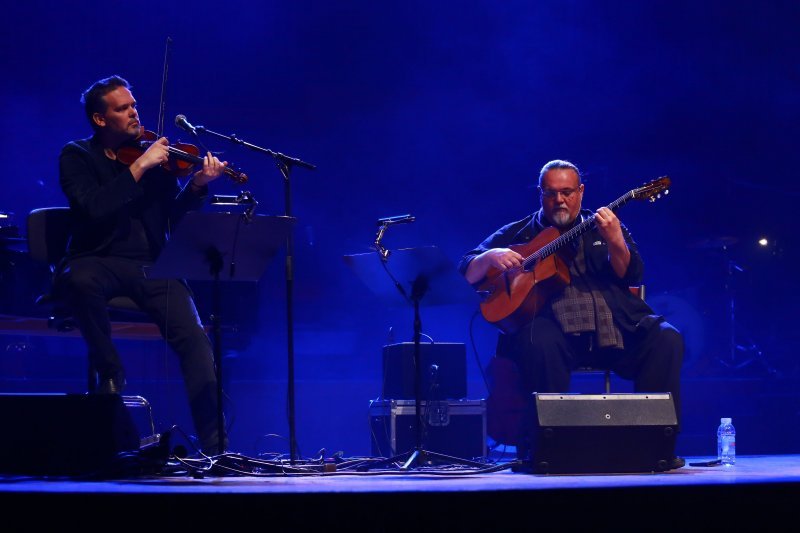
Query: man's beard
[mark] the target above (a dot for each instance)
(561, 218)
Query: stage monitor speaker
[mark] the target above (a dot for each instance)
(598, 433)
(63, 434)
(443, 372)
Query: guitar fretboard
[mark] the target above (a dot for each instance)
(551, 247)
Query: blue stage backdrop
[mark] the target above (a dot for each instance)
(445, 111)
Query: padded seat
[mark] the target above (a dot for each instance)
(49, 230)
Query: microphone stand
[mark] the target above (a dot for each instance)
(284, 164)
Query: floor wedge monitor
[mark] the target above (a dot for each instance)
(598, 433)
(64, 434)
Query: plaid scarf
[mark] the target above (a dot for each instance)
(581, 308)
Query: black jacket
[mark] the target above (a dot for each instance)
(102, 192)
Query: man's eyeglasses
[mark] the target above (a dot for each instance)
(566, 193)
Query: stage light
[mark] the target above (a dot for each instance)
(763, 241)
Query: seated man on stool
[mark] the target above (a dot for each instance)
(122, 214)
(595, 320)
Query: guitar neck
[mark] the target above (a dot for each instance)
(573, 233)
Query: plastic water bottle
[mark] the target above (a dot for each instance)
(726, 442)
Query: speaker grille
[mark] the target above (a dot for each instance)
(605, 409)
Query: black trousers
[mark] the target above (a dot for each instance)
(546, 357)
(88, 283)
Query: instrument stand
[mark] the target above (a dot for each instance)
(284, 163)
(422, 266)
(211, 246)
(733, 362)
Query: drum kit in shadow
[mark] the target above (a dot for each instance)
(743, 353)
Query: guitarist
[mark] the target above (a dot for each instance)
(595, 320)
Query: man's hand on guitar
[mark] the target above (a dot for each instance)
(501, 259)
(609, 228)
(608, 225)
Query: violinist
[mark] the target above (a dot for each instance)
(122, 215)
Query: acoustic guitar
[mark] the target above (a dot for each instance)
(511, 298)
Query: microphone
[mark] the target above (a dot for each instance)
(400, 219)
(182, 123)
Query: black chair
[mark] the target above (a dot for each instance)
(637, 291)
(507, 401)
(49, 230)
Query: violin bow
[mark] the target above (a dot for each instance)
(163, 103)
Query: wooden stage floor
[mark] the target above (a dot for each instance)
(758, 491)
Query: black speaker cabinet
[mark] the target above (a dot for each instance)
(598, 433)
(63, 434)
(443, 373)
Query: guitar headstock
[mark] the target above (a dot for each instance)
(653, 190)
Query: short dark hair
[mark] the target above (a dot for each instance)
(92, 98)
(558, 163)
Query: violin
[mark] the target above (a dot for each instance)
(183, 156)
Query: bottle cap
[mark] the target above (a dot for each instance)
(725, 420)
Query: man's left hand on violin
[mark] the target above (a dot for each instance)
(212, 169)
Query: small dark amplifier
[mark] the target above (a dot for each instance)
(443, 372)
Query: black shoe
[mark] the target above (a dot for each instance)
(213, 450)
(110, 386)
(677, 462)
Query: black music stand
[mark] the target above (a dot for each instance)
(416, 273)
(221, 247)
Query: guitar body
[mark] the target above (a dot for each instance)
(514, 297)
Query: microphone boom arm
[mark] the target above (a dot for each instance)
(382, 251)
(281, 158)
